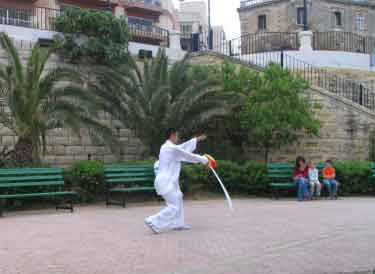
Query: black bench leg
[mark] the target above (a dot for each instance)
(276, 193)
(123, 200)
(107, 197)
(2, 208)
(71, 203)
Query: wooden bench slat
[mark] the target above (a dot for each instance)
(29, 171)
(117, 175)
(30, 178)
(129, 180)
(41, 194)
(281, 176)
(132, 189)
(289, 184)
(29, 184)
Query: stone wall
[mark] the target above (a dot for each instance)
(344, 133)
(63, 147)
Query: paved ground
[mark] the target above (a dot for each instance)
(262, 236)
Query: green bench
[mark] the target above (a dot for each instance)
(281, 178)
(372, 176)
(23, 183)
(281, 175)
(127, 179)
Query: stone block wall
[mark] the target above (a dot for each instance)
(345, 128)
(64, 147)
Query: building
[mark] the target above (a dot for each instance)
(193, 18)
(356, 16)
(150, 21)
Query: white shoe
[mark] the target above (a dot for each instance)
(148, 221)
(152, 227)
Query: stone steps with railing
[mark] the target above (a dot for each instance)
(250, 50)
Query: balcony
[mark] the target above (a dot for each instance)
(39, 18)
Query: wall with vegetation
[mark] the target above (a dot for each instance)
(346, 128)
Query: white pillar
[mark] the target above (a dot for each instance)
(174, 51)
(119, 11)
(306, 41)
(175, 40)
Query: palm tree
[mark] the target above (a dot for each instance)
(39, 100)
(162, 96)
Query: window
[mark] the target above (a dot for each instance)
(262, 22)
(300, 16)
(360, 22)
(186, 28)
(338, 19)
(16, 17)
(140, 23)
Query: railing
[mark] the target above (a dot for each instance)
(351, 89)
(149, 34)
(246, 44)
(44, 18)
(251, 3)
(264, 42)
(344, 41)
(37, 17)
(201, 41)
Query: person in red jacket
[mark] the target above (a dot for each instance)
(300, 176)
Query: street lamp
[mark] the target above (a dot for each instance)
(305, 24)
(210, 40)
(109, 6)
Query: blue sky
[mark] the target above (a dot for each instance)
(224, 12)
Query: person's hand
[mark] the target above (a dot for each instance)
(202, 137)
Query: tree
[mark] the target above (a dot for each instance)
(40, 100)
(180, 96)
(276, 112)
(94, 36)
(239, 80)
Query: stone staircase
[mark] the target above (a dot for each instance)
(357, 91)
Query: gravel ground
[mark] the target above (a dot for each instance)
(261, 236)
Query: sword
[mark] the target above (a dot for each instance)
(229, 200)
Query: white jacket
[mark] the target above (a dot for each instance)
(167, 169)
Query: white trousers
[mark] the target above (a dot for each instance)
(315, 187)
(172, 216)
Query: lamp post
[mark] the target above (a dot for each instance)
(305, 24)
(109, 6)
(210, 42)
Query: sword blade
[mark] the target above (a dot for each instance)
(229, 200)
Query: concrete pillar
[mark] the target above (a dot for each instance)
(175, 40)
(119, 11)
(306, 41)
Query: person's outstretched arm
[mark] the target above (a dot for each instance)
(185, 156)
(191, 145)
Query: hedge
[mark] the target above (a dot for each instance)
(249, 178)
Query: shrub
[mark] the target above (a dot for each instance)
(250, 177)
(354, 177)
(87, 178)
(98, 37)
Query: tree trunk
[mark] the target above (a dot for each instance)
(266, 152)
(23, 153)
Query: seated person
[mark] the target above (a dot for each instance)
(315, 186)
(300, 176)
(329, 178)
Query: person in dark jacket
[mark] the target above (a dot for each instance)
(301, 177)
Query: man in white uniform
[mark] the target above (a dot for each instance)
(167, 181)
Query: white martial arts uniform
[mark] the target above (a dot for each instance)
(167, 182)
